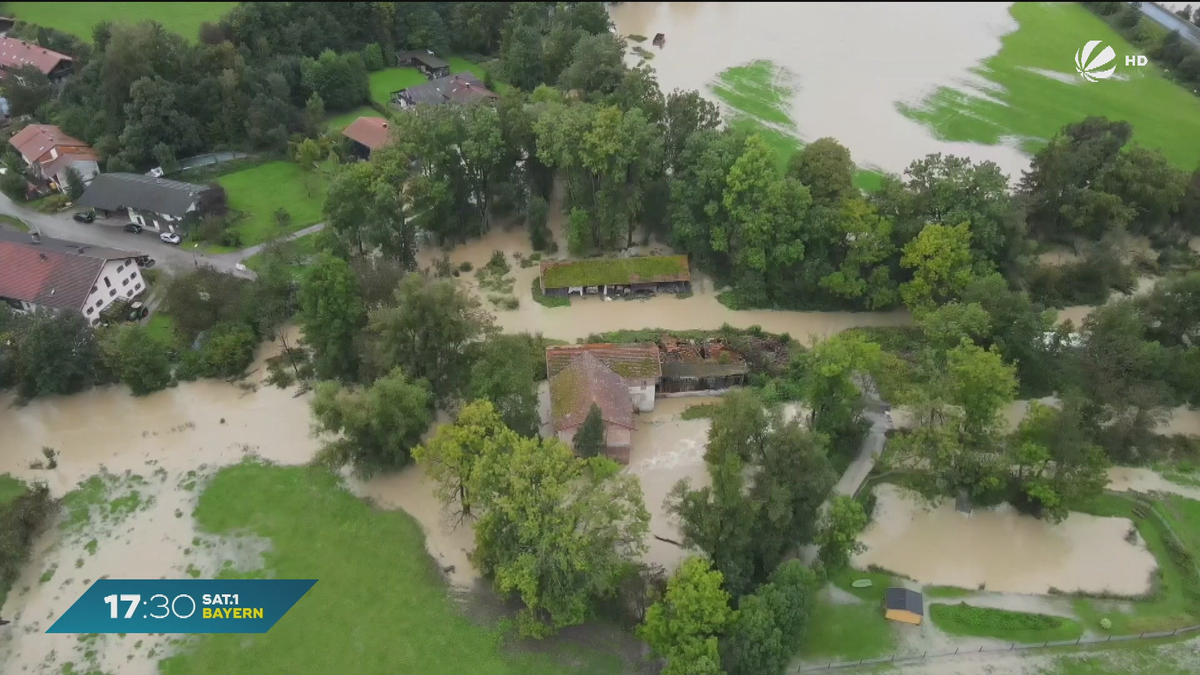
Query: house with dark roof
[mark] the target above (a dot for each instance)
(49, 153)
(424, 61)
(459, 89)
(586, 381)
(38, 273)
(152, 202)
(16, 53)
(368, 134)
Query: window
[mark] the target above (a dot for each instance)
(124, 282)
(120, 267)
(129, 293)
(107, 283)
(128, 261)
(90, 310)
(93, 289)
(100, 302)
(137, 287)
(132, 275)
(112, 292)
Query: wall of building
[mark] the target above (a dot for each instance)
(642, 393)
(119, 280)
(155, 221)
(614, 436)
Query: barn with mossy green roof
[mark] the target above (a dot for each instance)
(617, 276)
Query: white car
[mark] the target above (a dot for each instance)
(169, 238)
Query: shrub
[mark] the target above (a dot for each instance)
(229, 350)
(20, 520)
(498, 264)
(465, 266)
(282, 217)
(442, 266)
(53, 203)
(372, 57)
(231, 238)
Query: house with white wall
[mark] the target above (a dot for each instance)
(39, 273)
(152, 202)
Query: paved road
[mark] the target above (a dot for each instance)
(108, 232)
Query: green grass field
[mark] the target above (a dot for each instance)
(379, 606)
(1033, 106)
(757, 96)
(260, 190)
(847, 632)
(296, 251)
(162, 328)
(873, 594)
(336, 123)
(14, 223)
(1002, 624)
(79, 18)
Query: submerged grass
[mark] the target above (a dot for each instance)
(1027, 104)
(379, 606)
(873, 593)
(1003, 624)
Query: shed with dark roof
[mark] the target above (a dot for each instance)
(425, 61)
(585, 382)
(151, 202)
(904, 604)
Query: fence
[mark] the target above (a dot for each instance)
(984, 649)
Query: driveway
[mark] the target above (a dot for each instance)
(109, 232)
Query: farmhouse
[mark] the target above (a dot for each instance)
(156, 203)
(16, 53)
(905, 605)
(424, 61)
(49, 153)
(584, 382)
(368, 134)
(709, 366)
(617, 276)
(459, 89)
(37, 273)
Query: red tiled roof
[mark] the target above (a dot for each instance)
(36, 140)
(68, 156)
(584, 381)
(15, 53)
(370, 131)
(634, 360)
(45, 277)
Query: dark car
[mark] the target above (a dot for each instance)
(84, 217)
(133, 227)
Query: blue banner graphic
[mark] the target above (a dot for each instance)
(182, 605)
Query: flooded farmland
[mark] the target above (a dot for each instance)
(849, 64)
(1002, 550)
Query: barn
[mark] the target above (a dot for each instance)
(904, 604)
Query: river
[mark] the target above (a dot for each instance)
(850, 62)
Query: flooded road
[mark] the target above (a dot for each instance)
(1001, 549)
(849, 63)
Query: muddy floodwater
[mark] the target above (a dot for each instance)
(849, 64)
(1001, 549)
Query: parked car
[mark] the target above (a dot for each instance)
(84, 217)
(133, 227)
(144, 261)
(169, 238)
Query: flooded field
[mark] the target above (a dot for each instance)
(1002, 550)
(849, 67)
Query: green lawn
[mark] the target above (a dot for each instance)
(162, 328)
(1169, 606)
(14, 222)
(847, 632)
(945, 592)
(1184, 516)
(336, 123)
(873, 593)
(260, 190)
(1002, 624)
(608, 271)
(10, 488)
(379, 606)
(1033, 106)
(80, 17)
(460, 65)
(296, 252)
(757, 95)
(384, 82)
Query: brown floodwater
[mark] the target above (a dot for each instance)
(848, 66)
(1002, 549)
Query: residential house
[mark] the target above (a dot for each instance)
(49, 153)
(637, 364)
(368, 134)
(424, 61)
(460, 89)
(617, 276)
(38, 273)
(16, 53)
(152, 202)
(585, 382)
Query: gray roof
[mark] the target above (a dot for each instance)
(460, 88)
(424, 57)
(906, 599)
(114, 191)
(71, 247)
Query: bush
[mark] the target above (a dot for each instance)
(547, 300)
(498, 264)
(465, 266)
(53, 203)
(213, 201)
(282, 217)
(231, 238)
(21, 519)
(229, 350)
(442, 266)
(372, 57)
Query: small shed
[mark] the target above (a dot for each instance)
(904, 604)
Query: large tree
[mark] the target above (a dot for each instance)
(503, 373)
(374, 428)
(825, 167)
(57, 353)
(451, 456)
(431, 332)
(941, 263)
(767, 630)
(538, 496)
(1055, 463)
(332, 315)
(684, 625)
